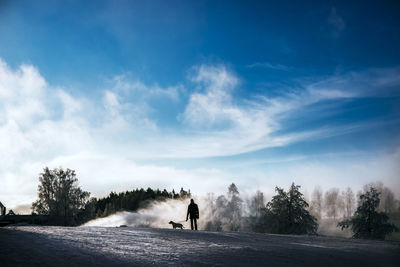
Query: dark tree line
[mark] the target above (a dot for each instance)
(131, 200)
(61, 198)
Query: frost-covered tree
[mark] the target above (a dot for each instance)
(316, 203)
(388, 202)
(234, 208)
(226, 211)
(367, 222)
(349, 202)
(59, 196)
(287, 213)
(332, 203)
(256, 204)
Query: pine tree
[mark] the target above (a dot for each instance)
(287, 213)
(367, 222)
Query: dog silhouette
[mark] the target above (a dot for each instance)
(176, 225)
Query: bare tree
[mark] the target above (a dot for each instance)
(257, 203)
(332, 203)
(234, 208)
(316, 202)
(388, 204)
(226, 211)
(349, 202)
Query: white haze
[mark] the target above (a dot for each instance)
(213, 211)
(157, 215)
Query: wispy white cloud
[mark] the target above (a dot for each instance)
(42, 125)
(213, 105)
(123, 85)
(374, 82)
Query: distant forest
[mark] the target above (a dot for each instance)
(126, 201)
(373, 213)
(64, 202)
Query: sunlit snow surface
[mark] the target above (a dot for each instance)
(106, 246)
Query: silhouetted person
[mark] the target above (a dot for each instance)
(193, 211)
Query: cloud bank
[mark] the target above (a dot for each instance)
(105, 138)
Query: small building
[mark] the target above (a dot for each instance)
(2, 210)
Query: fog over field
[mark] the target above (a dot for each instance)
(157, 215)
(240, 212)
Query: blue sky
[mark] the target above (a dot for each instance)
(199, 94)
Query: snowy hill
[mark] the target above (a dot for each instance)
(101, 246)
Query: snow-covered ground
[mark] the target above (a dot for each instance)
(122, 246)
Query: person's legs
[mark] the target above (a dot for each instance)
(191, 223)
(195, 224)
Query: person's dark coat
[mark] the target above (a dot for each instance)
(193, 211)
